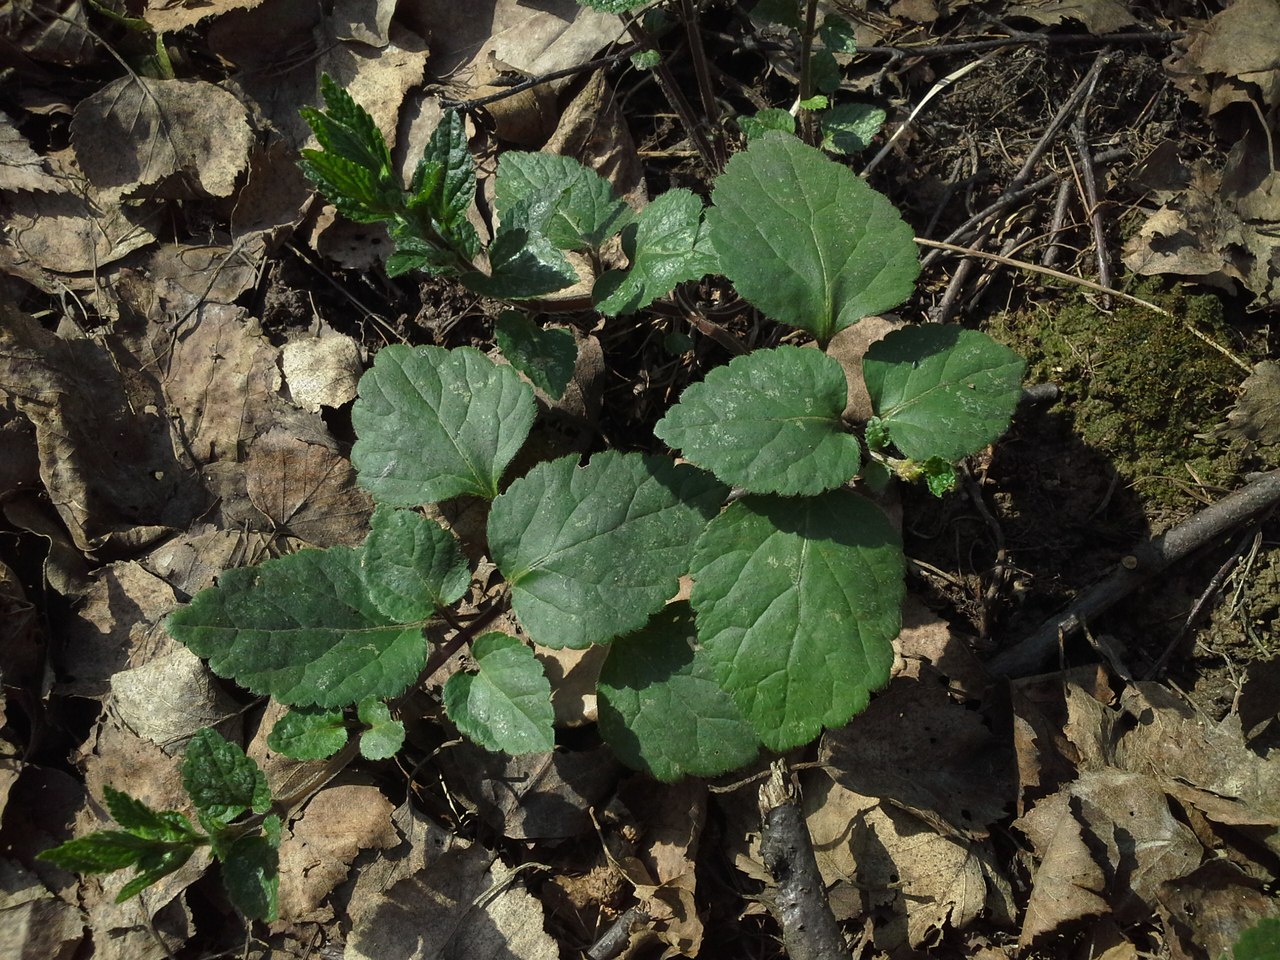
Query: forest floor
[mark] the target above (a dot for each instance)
(183, 321)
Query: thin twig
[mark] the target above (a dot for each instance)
(1090, 194)
(1050, 256)
(1146, 560)
(1046, 40)
(529, 83)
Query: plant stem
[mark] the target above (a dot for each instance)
(808, 127)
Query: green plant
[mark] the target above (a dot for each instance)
(224, 786)
(798, 579)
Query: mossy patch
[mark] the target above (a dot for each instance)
(1142, 387)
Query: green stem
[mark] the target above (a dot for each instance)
(808, 127)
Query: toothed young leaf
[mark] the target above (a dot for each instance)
(769, 421)
(444, 182)
(661, 709)
(140, 820)
(590, 552)
(108, 850)
(942, 391)
(666, 245)
(807, 241)
(384, 736)
(546, 356)
(251, 875)
(308, 733)
(412, 565)
(434, 423)
(506, 704)
(303, 629)
(797, 602)
(584, 211)
(353, 168)
(222, 782)
(523, 262)
(850, 127)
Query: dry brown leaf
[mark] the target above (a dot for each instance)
(307, 490)
(916, 747)
(165, 16)
(891, 862)
(21, 168)
(1099, 17)
(1234, 54)
(1256, 415)
(534, 796)
(274, 198)
(321, 371)
(420, 842)
(573, 675)
(1206, 911)
(106, 462)
(315, 856)
(453, 908)
(169, 698)
(50, 31)
(1106, 843)
(38, 926)
(848, 346)
(71, 235)
(115, 626)
(176, 137)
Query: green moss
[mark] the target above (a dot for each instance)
(1142, 387)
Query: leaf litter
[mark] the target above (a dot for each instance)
(157, 430)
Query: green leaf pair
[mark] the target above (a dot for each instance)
(223, 784)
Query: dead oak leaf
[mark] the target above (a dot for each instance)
(173, 135)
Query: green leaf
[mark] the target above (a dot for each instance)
(355, 191)
(825, 73)
(850, 127)
(155, 865)
(769, 421)
(384, 736)
(251, 875)
(646, 59)
(308, 733)
(412, 565)
(434, 423)
(613, 6)
(354, 167)
(584, 211)
(942, 391)
(100, 852)
(303, 629)
(506, 704)
(939, 474)
(591, 552)
(660, 706)
(140, 820)
(805, 240)
(837, 35)
(545, 356)
(666, 245)
(798, 601)
(523, 262)
(766, 120)
(223, 783)
(1259, 942)
(444, 182)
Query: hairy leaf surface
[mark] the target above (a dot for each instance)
(222, 781)
(506, 704)
(769, 421)
(434, 424)
(798, 601)
(412, 565)
(546, 356)
(942, 391)
(592, 551)
(308, 733)
(660, 706)
(805, 240)
(666, 245)
(584, 211)
(303, 629)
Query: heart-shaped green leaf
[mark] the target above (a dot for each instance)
(769, 422)
(798, 601)
(412, 565)
(506, 704)
(434, 424)
(660, 707)
(303, 629)
(585, 212)
(592, 551)
(805, 240)
(942, 391)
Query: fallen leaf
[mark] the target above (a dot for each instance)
(21, 168)
(169, 698)
(174, 136)
(1256, 415)
(1099, 17)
